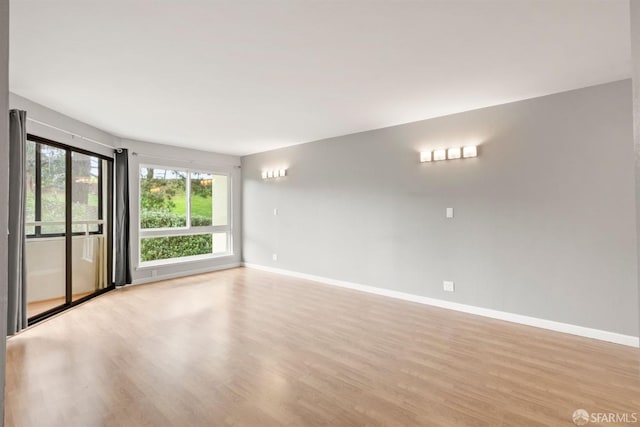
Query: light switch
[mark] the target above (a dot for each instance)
(275, 211)
(449, 212)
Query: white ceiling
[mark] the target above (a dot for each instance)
(240, 77)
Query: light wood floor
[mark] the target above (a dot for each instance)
(37, 307)
(247, 348)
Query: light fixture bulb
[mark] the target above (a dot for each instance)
(470, 151)
(454, 153)
(425, 156)
(440, 154)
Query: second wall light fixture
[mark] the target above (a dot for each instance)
(449, 154)
(268, 174)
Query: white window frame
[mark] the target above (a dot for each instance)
(188, 230)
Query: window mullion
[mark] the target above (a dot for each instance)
(100, 191)
(38, 189)
(188, 201)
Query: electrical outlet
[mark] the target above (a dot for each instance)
(449, 213)
(275, 257)
(448, 286)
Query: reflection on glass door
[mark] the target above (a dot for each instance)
(45, 227)
(67, 225)
(89, 243)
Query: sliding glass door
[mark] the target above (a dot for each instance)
(68, 226)
(45, 227)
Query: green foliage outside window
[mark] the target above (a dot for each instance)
(157, 248)
(163, 204)
(170, 220)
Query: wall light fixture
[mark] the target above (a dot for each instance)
(277, 173)
(450, 154)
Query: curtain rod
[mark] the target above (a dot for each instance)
(73, 135)
(150, 156)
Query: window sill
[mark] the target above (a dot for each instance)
(177, 261)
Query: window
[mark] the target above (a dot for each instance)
(86, 200)
(46, 180)
(50, 193)
(183, 214)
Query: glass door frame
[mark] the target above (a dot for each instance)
(68, 235)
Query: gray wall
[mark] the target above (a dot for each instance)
(635, 63)
(46, 115)
(4, 186)
(544, 218)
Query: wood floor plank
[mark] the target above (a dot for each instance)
(243, 347)
(37, 307)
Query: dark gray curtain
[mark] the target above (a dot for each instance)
(122, 259)
(17, 293)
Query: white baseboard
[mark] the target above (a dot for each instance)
(185, 273)
(486, 312)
